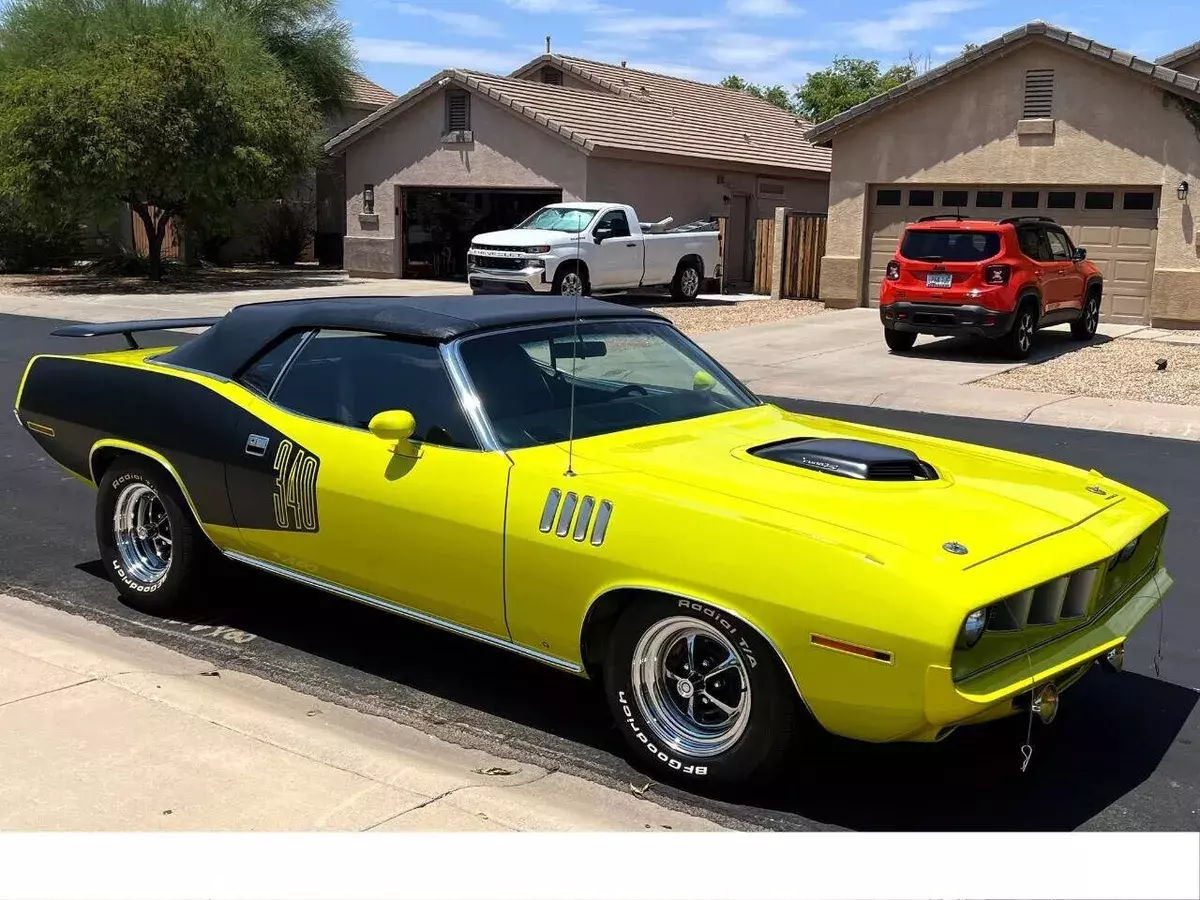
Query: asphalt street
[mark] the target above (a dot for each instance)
(1124, 753)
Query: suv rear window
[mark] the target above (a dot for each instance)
(950, 246)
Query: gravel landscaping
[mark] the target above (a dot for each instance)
(1121, 369)
(706, 315)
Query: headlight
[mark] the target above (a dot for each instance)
(972, 629)
(543, 249)
(534, 264)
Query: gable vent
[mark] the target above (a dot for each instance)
(551, 75)
(458, 111)
(1039, 94)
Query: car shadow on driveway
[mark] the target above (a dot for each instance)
(1046, 346)
(1110, 736)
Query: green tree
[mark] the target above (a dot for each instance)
(775, 94)
(846, 83)
(170, 106)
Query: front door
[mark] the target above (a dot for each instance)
(1068, 281)
(418, 523)
(618, 256)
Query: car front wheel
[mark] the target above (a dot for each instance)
(1084, 328)
(699, 696)
(149, 543)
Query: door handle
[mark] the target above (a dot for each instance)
(631, 245)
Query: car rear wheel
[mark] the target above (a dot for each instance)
(1019, 341)
(1084, 328)
(899, 341)
(699, 696)
(150, 545)
(686, 284)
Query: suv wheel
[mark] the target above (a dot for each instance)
(1019, 341)
(899, 341)
(1084, 328)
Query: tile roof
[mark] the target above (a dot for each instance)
(364, 92)
(1179, 57)
(632, 111)
(1164, 77)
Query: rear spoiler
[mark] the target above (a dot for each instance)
(129, 329)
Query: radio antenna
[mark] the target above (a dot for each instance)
(575, 351)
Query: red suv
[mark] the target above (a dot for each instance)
(1001, 280)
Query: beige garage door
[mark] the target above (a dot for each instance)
(1117, 225)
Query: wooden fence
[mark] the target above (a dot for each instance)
(764, 251)
(141, 243)
(803, 247)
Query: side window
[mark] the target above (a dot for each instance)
(617, 221)
(261, 374)
(346, 377)
(1060, 247)
(1028, 239)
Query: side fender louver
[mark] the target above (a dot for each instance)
(559, 514)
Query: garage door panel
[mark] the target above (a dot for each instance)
(1121, 243)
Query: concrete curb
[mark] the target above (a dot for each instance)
(103, 732)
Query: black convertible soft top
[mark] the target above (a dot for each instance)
(236, 338)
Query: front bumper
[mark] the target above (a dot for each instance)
(945, 319)
(508, 281)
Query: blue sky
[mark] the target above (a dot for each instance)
(402, 42)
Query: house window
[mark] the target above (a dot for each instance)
(1098, 200)
(920, 198)
(1060, 200)
(887, 197)
(770, 189)
(1039, 94)
(989, 199)
(551, 75)
(1139, 200)
(954, 198)
(458, 111)
(1024, 199)
(368, 199)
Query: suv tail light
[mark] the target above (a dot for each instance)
(997, 274)
(893, 270)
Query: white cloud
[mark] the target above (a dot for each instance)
(763, 9)
(557, 6)
(462, 22)
(739, 51)
(438, 56)
(646, 26)
(894, 31)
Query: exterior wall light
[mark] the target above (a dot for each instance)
(1182, 191)
(368, 199)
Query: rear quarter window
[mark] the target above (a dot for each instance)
(950, 246)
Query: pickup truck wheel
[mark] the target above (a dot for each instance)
(899, 341)
(699, 696)
(686, 284)
(1084, 328)
(149, 543)
(571, 282)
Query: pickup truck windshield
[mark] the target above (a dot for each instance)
(624, 374)
(560, 218)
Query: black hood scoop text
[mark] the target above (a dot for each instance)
(862, 460)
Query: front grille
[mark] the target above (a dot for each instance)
(499, 263)
(495, 248)
(1067, 597)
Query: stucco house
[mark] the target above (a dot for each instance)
(1037, 122)
(466, 152)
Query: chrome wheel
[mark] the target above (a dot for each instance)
(1025, 332)
(572, 285)
(691, 686)
(142, 533)
(689, 282)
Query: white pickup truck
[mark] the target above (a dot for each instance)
(593, 248)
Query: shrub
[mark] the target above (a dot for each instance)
(287, 230)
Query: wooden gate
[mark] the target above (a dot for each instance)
(141, 243)
(764, 254)
(803, 247)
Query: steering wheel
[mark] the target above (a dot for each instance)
(629, 390)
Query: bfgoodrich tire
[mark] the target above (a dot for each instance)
(150, 545)
(699, 696)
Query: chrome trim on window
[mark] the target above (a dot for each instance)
(287, 363)
(468, 397)
(549, 510)
(584, 518)
(404, 611)
(155, 361)
(565, 516)
(601, 527)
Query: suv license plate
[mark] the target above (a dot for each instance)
(941, 280)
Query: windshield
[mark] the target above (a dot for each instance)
(624, 374)
(560, 218)
(950, 246)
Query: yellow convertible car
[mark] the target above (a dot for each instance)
(577, 482)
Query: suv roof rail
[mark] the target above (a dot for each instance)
(945, 216)
(1014, 219)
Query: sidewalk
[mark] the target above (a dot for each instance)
(839, 357)
(101, 732)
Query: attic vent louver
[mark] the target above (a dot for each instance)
(551, 75)
(1039, 94)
